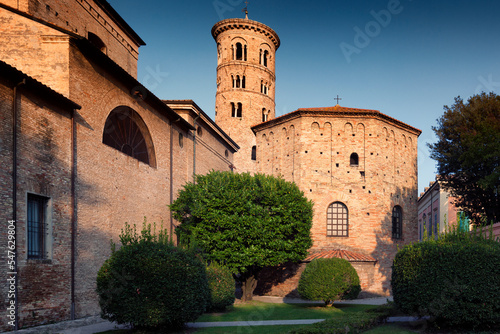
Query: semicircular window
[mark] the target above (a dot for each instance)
(126, 131)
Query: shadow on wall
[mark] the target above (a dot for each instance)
(387, 246)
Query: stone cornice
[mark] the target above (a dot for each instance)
(229, 24)
(335, 112)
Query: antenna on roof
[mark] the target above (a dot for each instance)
(246, 9)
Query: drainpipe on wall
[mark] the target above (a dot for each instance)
(73, 211)
(14, 190)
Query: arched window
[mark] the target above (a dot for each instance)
(254, 152)
(337, 220)
(233, 110)
(354, 160)
(97, 42)
(239, 111)
(264, 115)
(125, 131)
(265, 56)
(234, 81)
(397, 222)
(243, 82)
(238, 81)
(239, 51)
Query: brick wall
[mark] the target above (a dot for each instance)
(44, 160)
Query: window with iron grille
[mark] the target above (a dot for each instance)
(37, 226)
(397, 225)
(337, 220)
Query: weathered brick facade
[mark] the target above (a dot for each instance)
(314, 148)
(89, 189)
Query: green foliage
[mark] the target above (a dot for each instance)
(150, 283)
(329, 280)
(222, 287)
(244, 221)
(353, 323)
(468, 155)
(454, 279)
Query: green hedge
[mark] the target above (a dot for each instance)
(149, 283)
(455, 280)
(329, 280)
(222, 287)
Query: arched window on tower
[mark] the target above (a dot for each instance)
(354, 160)
(243, 82)
(238, 81)
(125, 131)
(397, 222)
(233, 110)
(264, 115)
(97, 42)
(337, 220)
(265, 57)
(254, 152)
(239, 51)
(239, 111)
(234, 81)
(245, 54)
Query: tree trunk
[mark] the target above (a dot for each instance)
(247, 288)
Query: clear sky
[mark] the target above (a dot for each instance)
(405, 58)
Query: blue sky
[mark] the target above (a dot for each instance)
(406, 58)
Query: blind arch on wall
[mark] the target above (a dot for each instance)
(126, 131)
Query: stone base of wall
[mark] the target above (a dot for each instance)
(283, 280)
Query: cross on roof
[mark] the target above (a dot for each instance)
(337, 98)
(245, 10)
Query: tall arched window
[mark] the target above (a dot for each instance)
(354, 160)
(265, 56)
(243, 82)
(125, 131)
(254, 152)
(239, 51)
(238, 81)
(239, 111)
(397, 222)
(337, 220)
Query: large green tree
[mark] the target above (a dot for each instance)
(468, 155)
(245, 222)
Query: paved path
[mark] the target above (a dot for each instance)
(95, 324)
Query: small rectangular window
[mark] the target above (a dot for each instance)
(37, 226)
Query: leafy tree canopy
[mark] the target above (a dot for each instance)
(468, 155)
(245, 222)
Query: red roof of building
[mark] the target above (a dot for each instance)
(341, 254)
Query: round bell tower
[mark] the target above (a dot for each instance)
(245, 83)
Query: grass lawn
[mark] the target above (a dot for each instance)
(258, 311)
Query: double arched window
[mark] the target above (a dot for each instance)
(337, 220)
(397, 222)
(236, 109)
(125, 131)
(239, 51)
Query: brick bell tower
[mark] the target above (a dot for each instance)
(245, 82)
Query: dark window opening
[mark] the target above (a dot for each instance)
(125, 131)
(181, 140)
(243, 82)
(37, 226)
(265, 56)
(239, 51)
(337, 220)
(238, 81)
(254, 152)
(236, 109)
(264, 115)
(397, 226)
(354, 160)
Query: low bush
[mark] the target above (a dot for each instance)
(150, 283)
(329, 280)
(352, 323)
(454, 279)
(222, 287)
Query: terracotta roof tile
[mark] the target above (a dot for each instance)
(341, 254)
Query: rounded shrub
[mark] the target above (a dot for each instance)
(152, 284)
(222, 287)
(329, 280)
(454, 279)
